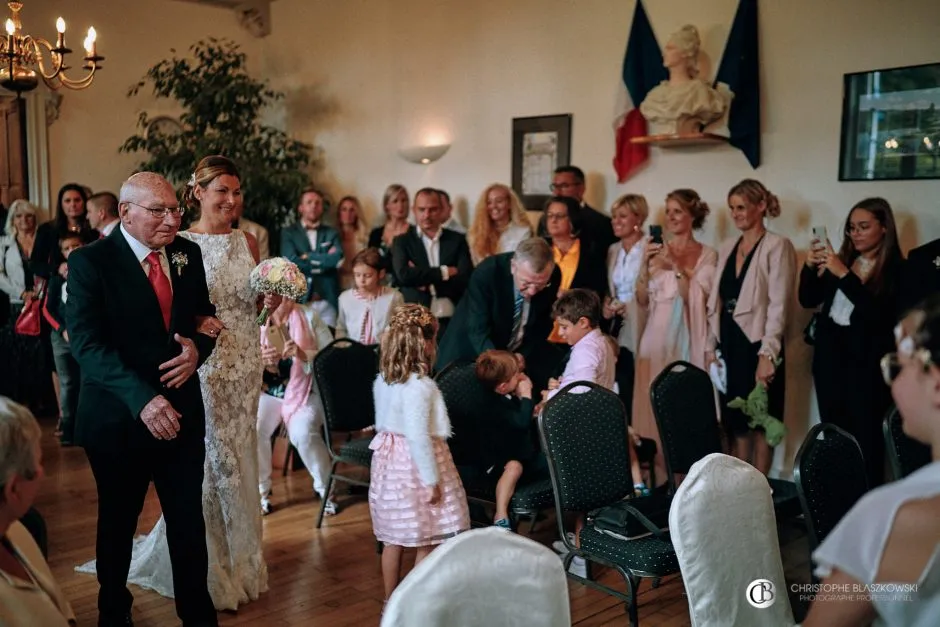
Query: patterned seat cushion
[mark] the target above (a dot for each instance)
(648, 555)
(357, 452)
(528, 497)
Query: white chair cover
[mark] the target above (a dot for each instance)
(483, 578)
(725, 534)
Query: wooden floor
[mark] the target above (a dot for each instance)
(326, 577)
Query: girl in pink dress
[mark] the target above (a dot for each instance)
(415, 495)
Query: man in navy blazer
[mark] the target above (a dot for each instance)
(317, 250)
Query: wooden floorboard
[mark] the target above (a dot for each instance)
(318, 577)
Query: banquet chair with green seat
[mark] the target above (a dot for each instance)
(345, 371)
(905, 454)
(583, 430)
(466, 398)
(683, 400)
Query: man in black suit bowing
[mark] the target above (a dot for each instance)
(508, 305)
(921, 276)
(134, 302)
(431, 264)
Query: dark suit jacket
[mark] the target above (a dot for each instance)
(118, 337)
(320, 266)
(483, 319)
(921, 276)
(505, 432)
(597, 228)
(412, 271)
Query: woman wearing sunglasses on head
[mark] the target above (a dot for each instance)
(887, 548)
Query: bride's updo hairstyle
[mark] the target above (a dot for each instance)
(209, 169)
(408, 345)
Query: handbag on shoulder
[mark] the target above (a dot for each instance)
(29, 321)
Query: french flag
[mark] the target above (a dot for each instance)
(642, 71)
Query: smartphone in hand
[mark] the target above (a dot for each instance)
(656, 232)
(820, 236)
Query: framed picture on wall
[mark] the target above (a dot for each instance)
(891, 124)
(539, 145)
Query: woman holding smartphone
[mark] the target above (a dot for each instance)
(747, 313)
(856, 288)
(674, 281)
(624, 258)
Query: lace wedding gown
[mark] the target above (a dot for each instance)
(237, 572)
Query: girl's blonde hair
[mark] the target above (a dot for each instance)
(407, 346)
(483, 236)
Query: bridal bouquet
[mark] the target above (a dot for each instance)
(277, 276)
(755, 407)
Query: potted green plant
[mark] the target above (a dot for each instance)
(222, 107)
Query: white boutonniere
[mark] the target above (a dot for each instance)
(936, 263)
(179, 261)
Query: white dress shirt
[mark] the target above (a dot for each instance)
(107, 228)
(440, 307)
(141, 251)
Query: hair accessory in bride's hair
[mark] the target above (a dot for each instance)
(412, 315)
(192, 180)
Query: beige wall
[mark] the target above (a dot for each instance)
(132, 36)
(367, 77)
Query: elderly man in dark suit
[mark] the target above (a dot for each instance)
(432, 264)
(508, 306)
(318, 252)
(133, 325)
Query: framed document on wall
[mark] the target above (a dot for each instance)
(539, 145)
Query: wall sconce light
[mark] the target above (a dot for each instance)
(423, 155)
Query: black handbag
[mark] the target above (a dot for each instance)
(625, 519)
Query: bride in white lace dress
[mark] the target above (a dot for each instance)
(237, 571)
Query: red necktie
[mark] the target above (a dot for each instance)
(161, 286)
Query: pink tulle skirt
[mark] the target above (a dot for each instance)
(398, 500)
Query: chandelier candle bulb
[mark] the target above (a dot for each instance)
(60, 27)
(90, 45)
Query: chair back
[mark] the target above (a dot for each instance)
(725, 504)
(480, 578)
(683, 401)
(904, 453)
(345, 371)
(584, 436)
(829, 472)
(465, 397)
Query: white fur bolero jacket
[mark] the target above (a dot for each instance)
(414, 409)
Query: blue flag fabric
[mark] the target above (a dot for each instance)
(740, 70)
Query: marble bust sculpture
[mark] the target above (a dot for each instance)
(685, 103)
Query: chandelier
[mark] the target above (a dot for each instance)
(25, 59)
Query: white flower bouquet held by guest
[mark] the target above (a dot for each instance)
(277, 276)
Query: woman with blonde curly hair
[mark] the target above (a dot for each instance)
(499, 223)
(415, 495)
